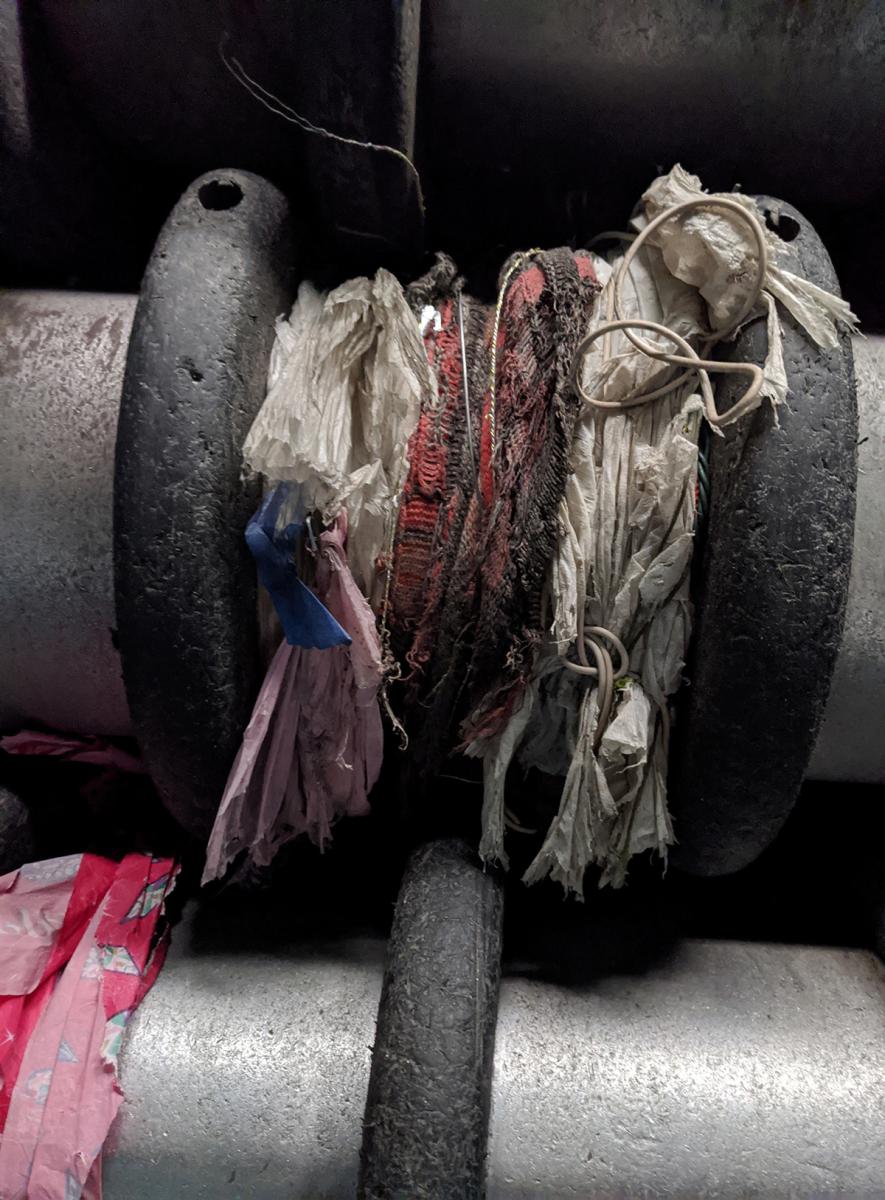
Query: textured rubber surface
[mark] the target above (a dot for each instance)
(427, 1111)
(185, 585)
(772, 592)
(17, 841)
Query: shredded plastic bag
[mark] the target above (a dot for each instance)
(312, 750)
(347, 374)
(82, 940)
(624, 554)
(346, 377)
(78, 748)
(626, 529)
(717, 255)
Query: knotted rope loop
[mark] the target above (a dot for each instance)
(596, 639)
(696, 362)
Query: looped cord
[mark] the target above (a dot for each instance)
(594, 638)
(689, 358)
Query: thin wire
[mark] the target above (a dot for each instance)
(391, 668)
(464, 377)
(518, 262)
(279, 107)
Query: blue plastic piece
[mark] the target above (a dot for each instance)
(305, 620)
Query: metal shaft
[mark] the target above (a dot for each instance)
(726, 1069)
(246, 1073)
(62, 356)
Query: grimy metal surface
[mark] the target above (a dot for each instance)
(246, 1073)
(850, 745)
(427, 1109)
(725, 1069)
(221, 272)
(62, 356)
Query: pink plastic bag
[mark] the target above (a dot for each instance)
(312, 750)
(73, 748)
(81, 942)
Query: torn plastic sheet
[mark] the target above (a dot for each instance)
(313, 747)
(626, 527)
(82, 940)
(632, 516)
(715, 253)
(273, 536)
(94, 751)
(346, 377)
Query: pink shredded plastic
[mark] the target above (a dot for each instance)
(79, 949)
(312, 751)
(93, 750)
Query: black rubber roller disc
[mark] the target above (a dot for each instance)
(427, 1112)
(220, 273)
(771, 590)
(18, 843)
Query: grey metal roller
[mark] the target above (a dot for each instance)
(722, 1068)
(247, 1071)
(62, 356)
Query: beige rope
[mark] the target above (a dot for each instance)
(696, 362)
(594, 638)
(688, 358)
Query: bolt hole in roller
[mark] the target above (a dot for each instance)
(219, 195)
